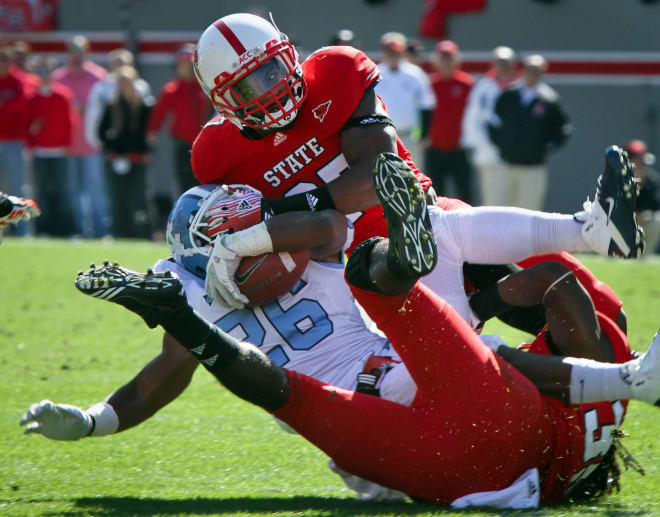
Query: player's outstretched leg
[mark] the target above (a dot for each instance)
(610, 224)
(159, 299)
(393, 265)
(412, 246)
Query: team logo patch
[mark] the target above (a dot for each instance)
(279, 138)
(321, 110)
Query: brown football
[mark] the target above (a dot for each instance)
(265, 277)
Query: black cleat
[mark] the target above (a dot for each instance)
(610, 223)
(152, 296)
(412, 246)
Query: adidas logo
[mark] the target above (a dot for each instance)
(211, 360)
(198, 350)
(279, 138)
(311, 201)
(243, 206)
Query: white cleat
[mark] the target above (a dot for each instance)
(643, 374)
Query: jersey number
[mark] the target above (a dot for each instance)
(597, 439)
(302, 326)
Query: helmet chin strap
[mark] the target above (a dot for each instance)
(286, 121)
(283, 122)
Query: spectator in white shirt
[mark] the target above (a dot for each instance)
(479, 112)
(407, 93)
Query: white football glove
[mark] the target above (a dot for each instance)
(492, 341)
(220, 270)
(57, 421)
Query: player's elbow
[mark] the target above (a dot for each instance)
(333, 228)
(366, 143)
(335, 225)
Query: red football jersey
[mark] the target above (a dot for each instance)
(583, 433)
(309, 154)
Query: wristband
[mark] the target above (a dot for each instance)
(104, 419)
(310, 201)
(251, 242)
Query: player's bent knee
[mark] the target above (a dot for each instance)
(548, 273)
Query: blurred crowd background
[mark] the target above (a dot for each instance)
(500, 102)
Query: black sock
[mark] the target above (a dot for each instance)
(211, 346)
(357, 267)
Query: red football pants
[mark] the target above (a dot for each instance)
(476, 423)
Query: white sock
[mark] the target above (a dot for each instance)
(501, 235)
(592, 381)
(553, 232)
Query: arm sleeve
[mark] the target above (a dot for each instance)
(494, 123)
(426, 118)
(560, 127)
(104, 126)
(67, 123)
(209, 158)
(30, 113)
(427, 98)
(346, 73)
(93, 114)
(469, 130)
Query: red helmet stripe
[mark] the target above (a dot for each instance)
(231, 38)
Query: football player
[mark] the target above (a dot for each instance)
(290, 129)
(488, 235)
(305, 135)
(328, 349)
(15, 209)
(464, 235)
(476, 424)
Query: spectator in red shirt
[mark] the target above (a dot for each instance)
(445, 158)
(49, 118)
(88, 189)
(22, 67)
(189, 107)
(12, 131)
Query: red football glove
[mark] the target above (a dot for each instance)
(14, 209)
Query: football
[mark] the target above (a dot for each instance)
(265, 277)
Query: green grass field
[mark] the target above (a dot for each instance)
(208, 453)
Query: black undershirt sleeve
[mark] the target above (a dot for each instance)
(311, 201)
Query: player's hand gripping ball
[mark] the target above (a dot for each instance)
(233, 280)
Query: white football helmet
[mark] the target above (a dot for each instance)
(250, 71)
